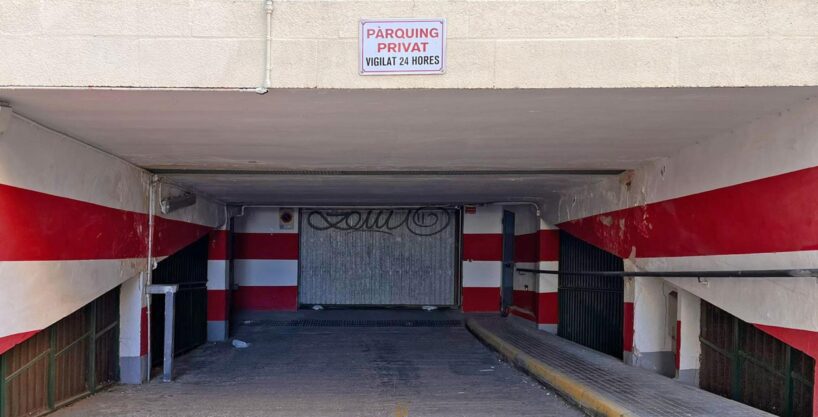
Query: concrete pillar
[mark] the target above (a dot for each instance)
(654, 325)
(482, 259)
(627, 320)
(133, 331)
(547, 297)
(689, 348)
(218, 282)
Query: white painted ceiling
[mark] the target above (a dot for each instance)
(394, 130)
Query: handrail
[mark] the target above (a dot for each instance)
(763, 273)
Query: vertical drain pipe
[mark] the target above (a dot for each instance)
(268, 66)
(149, 273)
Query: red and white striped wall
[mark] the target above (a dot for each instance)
(547, 300)
(76, 225)
(218, 284)
(745, 200)
(482, 259)
(526, 255)
(536, 246)
(266, 260)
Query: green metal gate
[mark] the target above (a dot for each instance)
(741, 362)
(71, 359)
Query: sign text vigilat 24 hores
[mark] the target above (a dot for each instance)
(402, 46)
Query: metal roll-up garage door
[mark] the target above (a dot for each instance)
(381, 257)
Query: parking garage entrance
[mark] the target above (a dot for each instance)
(379, 257)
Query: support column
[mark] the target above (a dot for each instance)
(482, 259)
(218, 281)
(133, 331)
(654, 325)
(689, 347)
(627, 320)
(547, 285)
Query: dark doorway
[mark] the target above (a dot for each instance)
(188, 268)
(508, 261)
(591, 306)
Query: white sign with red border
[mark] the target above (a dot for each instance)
(402, 46)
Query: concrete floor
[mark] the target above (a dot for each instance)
(335, 371)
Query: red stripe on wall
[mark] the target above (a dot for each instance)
(216, 305)
(627, 328)
(481, 299)
(525, 300)
(548, 308)
(483, 247)
(43, 227)
(143, 332)
(525, 314)
(266, 298)
(217, 248)
(171, 235)
(775, 214)
(266, 246)
(549, 245)
(8, 342)
(803, 340)
(527, 248)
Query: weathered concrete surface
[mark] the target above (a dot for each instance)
(335, 371)
(491, 44)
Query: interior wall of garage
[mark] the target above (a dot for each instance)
(76, 224)
(265, 262)
(526, 255)
(742, 200)
(536, 246)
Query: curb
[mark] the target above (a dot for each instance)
(586, 397)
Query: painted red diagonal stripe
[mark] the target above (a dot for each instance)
(8, 342)
(775, 214)
(44, 227)
(171, 235)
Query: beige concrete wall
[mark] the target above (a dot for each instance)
(492, 44)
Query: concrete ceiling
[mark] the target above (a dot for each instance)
(394, 130)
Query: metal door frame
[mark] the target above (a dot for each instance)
(457, 300)
(507, 274)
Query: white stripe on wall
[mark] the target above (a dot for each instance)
(488, 219)
(548, 282)
(39, 293)
(216, 275)
(482, 273)
(264, 220)
(266, 272)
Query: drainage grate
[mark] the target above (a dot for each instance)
(364, 323)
